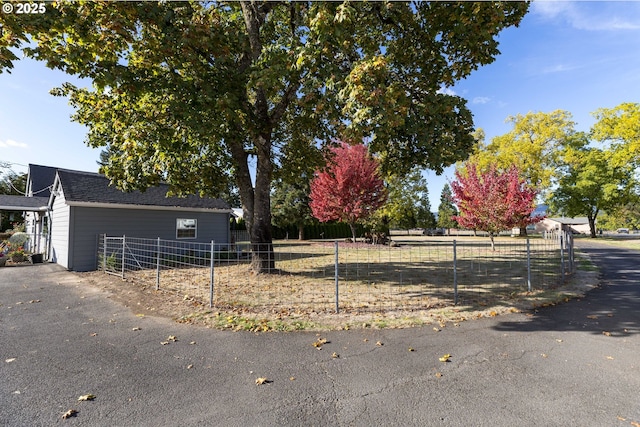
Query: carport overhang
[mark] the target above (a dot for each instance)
(23, 204)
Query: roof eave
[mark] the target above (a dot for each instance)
(145, 207)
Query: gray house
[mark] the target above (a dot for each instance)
(81, 206)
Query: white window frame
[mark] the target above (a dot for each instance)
(182, 224)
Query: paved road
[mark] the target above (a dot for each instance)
(60, 339)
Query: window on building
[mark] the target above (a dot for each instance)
(186, 228)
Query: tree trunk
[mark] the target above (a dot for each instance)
(262, 257)
(300, 231)
(523, 231)
(493, 245)
(353, 231)
(592, 226)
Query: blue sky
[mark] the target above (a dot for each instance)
(574, 56)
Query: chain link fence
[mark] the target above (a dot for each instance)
(339, 276)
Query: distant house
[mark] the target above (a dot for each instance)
(579, 225)
(82, 205)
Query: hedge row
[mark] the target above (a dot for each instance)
(334, 230)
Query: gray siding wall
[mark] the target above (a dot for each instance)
(60, 219)
(89, 223)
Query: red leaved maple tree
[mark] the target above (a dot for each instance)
(349, 189)
(494, 200)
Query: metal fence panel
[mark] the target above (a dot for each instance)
(331, 276)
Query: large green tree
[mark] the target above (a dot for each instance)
(532, 146)
(447, 209)
(196, 93)
(620, 126)
(408, 203)
(591, 182)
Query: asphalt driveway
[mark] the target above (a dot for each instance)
(572, 364)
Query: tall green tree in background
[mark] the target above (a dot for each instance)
(591, 182)
(197, 93)
(447, 209)
(290, 205)
(620, 126)
(532, 146)
(408, 203)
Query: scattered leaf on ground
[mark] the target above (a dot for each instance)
(609, 357)
(445, 358)
(189, 366)
(192, 343)
(436, 329)
(172, 338)
(335, 355)
(592, 316)
(379, 343)
(559, 340)
(135, 329)
(140, 315)
(411, 349)
(164, 342)
(33, 301)
(606, 333)
(10, 360)
(544, 355)
(261, 380)
(86, 397)
(438, 374)
(319, 342)
(635, 424)
(70, 413)
(94, 334)
(292, 378)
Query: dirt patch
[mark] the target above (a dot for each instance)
(143, 298)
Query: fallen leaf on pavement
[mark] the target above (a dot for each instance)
(379, 343)
(319, 342)
(10, 360)
(609, 357)
(411, 349)
(261, 380)
(86, 397)
(70, 413)
(606, 333)
(592, 316)
(335, 355)
(135, 329)
(164, 342)
(438, 374)
(445, 358)
(172, 338)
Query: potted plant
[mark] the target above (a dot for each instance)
(18, 255)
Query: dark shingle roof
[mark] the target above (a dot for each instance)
(20, 203)
(41, 178)
(94, 188)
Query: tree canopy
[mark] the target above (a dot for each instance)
(532, 145)
(196, 93)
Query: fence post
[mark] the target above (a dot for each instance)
(562, 254)
(124, 246)
(528, 266)
(336, 276)
(104, 253)
(211, 275)
(455, 274)
(158, 265)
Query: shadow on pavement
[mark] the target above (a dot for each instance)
(613, 309)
